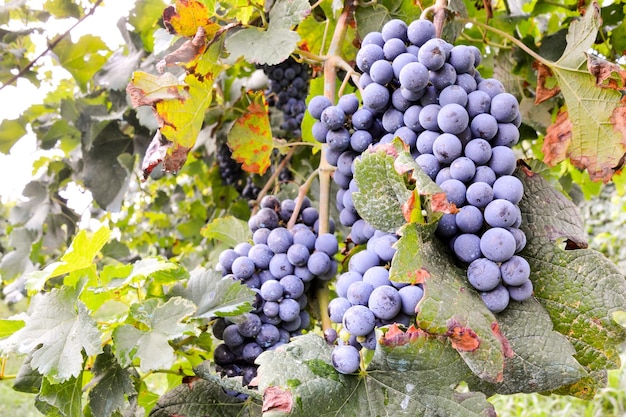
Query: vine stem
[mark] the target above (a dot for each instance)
(439, 12)
(51, 45)
(275, 175)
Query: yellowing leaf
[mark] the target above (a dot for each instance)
(187, 16)
(250, 138)
(146, 89)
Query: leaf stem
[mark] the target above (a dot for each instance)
(51, 45)
(509, 37)
(275, 174)
(302, 192)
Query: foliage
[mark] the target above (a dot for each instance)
(123, 300)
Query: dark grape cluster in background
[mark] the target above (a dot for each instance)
(460, 129)
(279, 265)
(287, 92)
(232, 174)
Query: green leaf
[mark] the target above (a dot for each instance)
(28, 379)
(415, 378)
(63, 8)
(541, 358)
(63, 398)
(10, 326)
(450, 307)
(200, 398)
(10, 132)
(580, 38)
(250, 137)
(113, 384)
(83, 58)
(288, 13)
(162, 322)
(79, 255)
(216, 296)
(156, 268)
(382, 191)
(228, 230)
(57, 333)
(257, 46)
(580, 289)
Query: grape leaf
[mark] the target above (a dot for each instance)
(250, 137)
(61, 399)
(79, 255)
(10, 132)
(10, 326)
(200, 398)
(57, 332)
(28, 379)
(288, 13)
(542, 359)
(382, 191)
(411, 379)
(112, 384)
(257, 46)
(159, 322)
(580, 289)
(83, 58)
(228, 230)
(590, 130)
(187, 16)
(147, 89)
(450, 307)
(214, 295)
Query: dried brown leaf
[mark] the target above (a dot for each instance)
(544, 93)
(557, 140)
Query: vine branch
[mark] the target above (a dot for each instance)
(51, 45)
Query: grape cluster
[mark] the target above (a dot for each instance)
(460, 128)
(288, 89)
(367, 299)
(279, 266)
(232, 174)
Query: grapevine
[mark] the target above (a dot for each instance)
(346, 209)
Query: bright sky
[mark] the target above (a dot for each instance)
(15, 99)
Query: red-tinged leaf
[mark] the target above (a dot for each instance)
(163, 152)
(543, 92)
(557, 140)
(439, 202)
(395, 336)
(276, 399)
(250, 138)
(186, 17)
(604, 70)
(189, 51)
(506, 345)
(462, 338)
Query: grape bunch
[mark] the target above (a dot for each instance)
(232, 174)
(288, 89)
(367, 299)
(279, 265)
(460, 128)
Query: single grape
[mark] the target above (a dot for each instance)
(362, 119)
(367, 55)
(319, 263)
(508, 135)
(384, 247)
(452, 118)
(483, 274)
(432, 54)
(385, 302)
(411, 296)
(293, 287)
(504, 107)
(455, 191)
(288, 309)
(361, 140)
(226, 259)
(503, 160)
(280, 266)
(359, 320)
(411, 118)
(414, 76)
(497, 244)
(392, 120)
(428, 117)
(381, 72)
(268, 335)
(462, 59)
(491, 86)
(369, 341)
(478, 150)
(429, 164)
(243, 267)
(478, 102)
(469, 219)
(251, 351)
(446, 228)
(317, 105)
(359, 292)
(399, 101)
(467, 82)
(447, 147)
(425, 140)
(338, 140)
(272, 290)
(261, 254)
(515, 271)
(337, 308)
(408, 136)
(484, 174)
(509, 188)
(376, 97)
(479, 194)
(270, 308)
(349, 103)
(377, 276)
(327, 243)
(419, 31)
(394, 28)
(500, 213)
(497, 299)
(462, 169)
(345, 359)
(520, 238)
(400, 62)
(375, 38)
(393, 47)
(333, 117)
(484, 126)
(279, 240)
(467, 247)
(443, 77)
(521, 292)
(443, 175)
(453, 94)
(250, 325)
